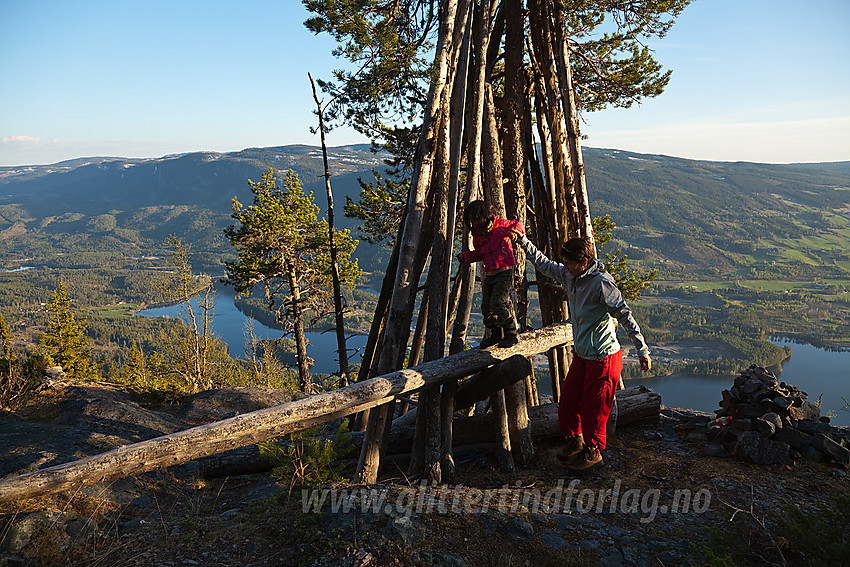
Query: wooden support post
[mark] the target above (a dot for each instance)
(502, 431)
(521, 443)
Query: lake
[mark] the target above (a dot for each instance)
(228, 324)
(814, 370)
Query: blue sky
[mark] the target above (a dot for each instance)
(753, 80)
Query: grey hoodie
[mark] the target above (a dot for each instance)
(593, 299)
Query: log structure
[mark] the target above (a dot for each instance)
(638, 406)
(491, 133)
(271, 422)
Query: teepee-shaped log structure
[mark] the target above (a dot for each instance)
(475, 143)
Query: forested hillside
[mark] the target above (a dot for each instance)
(713, 216)
(112, 212)
(690, 216)
(744, 251)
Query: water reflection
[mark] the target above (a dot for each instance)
(816, 371)
(229, 324)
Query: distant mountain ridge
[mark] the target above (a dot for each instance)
(191, 178)
(691, 212)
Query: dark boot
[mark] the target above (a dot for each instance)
(587, 460)
(495, 337)
(510, 338)
(574, 446)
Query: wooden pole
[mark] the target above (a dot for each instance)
(338, 314)
(401, 304)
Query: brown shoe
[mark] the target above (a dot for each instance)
(589, 459)
(574, 446)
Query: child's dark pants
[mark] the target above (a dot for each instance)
(496, 303)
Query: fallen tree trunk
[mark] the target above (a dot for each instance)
(638, 406)
(271, 422)
(248, 460)
(497, 377)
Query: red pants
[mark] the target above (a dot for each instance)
(587, 395)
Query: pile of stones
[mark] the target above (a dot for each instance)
(764, 421)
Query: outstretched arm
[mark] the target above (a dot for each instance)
(469, 256)
(619, 309)
(552, 269)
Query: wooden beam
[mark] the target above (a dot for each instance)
(260, 425)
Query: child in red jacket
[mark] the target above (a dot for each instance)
(492, 238)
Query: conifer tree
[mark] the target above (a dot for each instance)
(628, 280)
(65, 342)
(136, 365)
(284, 246)
(6, 338)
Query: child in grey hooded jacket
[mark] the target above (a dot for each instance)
(587, 393)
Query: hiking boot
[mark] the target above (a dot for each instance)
(574, 446)
(510, 338)
(495, 337)
(587, 460)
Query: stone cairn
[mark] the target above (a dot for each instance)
(764, 421)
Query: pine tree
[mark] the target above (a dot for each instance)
(283, 245)
(65, 342)
(627, 279)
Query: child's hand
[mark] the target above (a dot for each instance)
(515, 235)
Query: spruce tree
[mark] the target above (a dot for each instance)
(65, 343)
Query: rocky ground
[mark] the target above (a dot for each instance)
(659, 501)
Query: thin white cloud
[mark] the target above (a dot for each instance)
(812, 140)
(21, 141)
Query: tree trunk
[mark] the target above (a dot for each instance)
(562, 54)
(368, 361)
(401, 305)
(638, 406)
(502, 432)
(482, 28)
(337, 291)
(491, 380)
(513, 108)
(521, 443)
(305, 382)
(490, 147)
(456, 131)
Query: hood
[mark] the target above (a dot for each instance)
(595, 267)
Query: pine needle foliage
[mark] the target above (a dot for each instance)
(65, 343)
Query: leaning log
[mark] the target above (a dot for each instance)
(497, 377)
(260, 425)
(638, 406)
